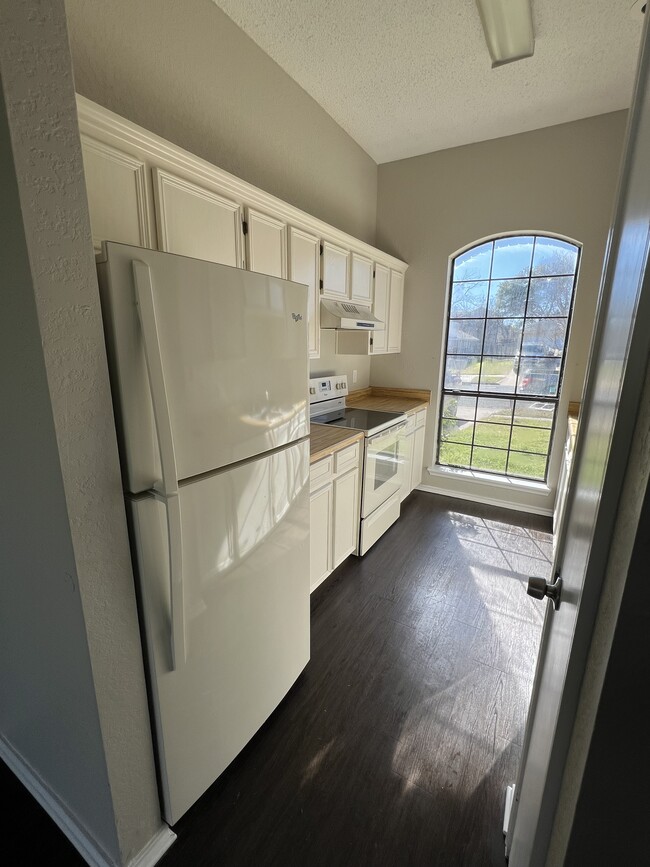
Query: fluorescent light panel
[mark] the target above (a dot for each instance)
(508, 28)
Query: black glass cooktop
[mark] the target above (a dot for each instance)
(367, 420)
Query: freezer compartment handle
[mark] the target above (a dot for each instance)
(167, 489)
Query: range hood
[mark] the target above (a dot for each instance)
(348, 316)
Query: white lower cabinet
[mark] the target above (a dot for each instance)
(334, 516)
(320, 523)
(417, 459)
(411, 452)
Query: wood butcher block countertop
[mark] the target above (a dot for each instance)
(406, 400)
(324, 440)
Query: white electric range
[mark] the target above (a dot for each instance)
(383, 463)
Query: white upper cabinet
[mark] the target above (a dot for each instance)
(361, 279)
(395, 304)
(304, 267)
(336, 271)
(380, 309)
(194, 221)
(116, 184)
(266, 244)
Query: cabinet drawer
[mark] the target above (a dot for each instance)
(320, 472)
(421, 418)
(346, 459)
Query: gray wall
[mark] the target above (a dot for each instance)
(560, 179)
(185, 71)
(73, 706)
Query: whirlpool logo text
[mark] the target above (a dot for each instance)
(297, 317)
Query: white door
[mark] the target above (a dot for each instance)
(304, 265)
(335, 271)
(321, 535)
(361, 279)
(245, 600)
(395, 304)
(346, 516)
(231, 348)
(612, 393)
(194, 221)
(380, 309)
(118, 195)
(266, 240)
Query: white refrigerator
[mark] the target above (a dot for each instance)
(209, 376)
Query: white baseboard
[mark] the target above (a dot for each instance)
(488, 501)
(83, 841)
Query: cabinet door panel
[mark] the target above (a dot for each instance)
(304, 262)
(336, 266)
(320, 532)
(361, 279)
(346, 516)
(396, 300)
(406, 456)
(267, 244)
(380, 308)
(193, 221)
(417, 461)
(117, 195)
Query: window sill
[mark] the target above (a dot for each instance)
(522, 485)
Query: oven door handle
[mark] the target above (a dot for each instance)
(389, 432)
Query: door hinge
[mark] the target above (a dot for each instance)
(321, 284)
(321, 249)
(244, 227)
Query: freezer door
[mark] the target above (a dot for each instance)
(231, 348)
(246, 589)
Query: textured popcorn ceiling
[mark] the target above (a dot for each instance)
(410, 77)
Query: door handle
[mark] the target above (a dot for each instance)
(538, 588)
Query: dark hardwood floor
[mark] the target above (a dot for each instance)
(397, 742)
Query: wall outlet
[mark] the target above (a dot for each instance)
(354, 376)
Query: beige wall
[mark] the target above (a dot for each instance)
(74, 722)
(185, 71)
(561, 180)
(329, 362)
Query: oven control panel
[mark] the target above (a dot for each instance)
(327, 387)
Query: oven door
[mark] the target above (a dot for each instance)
(383, 474)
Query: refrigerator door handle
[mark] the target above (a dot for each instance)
(176, 600)
(147, 315)
(167, 490)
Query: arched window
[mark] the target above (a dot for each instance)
(510, 303)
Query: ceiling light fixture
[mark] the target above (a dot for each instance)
(508, 28)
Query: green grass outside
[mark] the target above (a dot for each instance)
(496, 437)
(497, 368)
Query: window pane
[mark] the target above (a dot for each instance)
(502, 336)
(554, 257)
(456, 430)
(512, 257)
(530, 439)
(454, 455)
(494, 410)
(495, 435)
(528, 466)
(544, 337)
(474, 264)
(550, 296)
(489, 459)
(468, 300)
(497, 374)
(459, 406)
(465, 336)
(535, 413)
(462, 371)
(539, 376)
(508, 298)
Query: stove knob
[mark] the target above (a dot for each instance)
(312, 391)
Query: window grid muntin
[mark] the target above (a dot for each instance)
(515, 395)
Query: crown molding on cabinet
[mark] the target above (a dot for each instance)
(98, 122)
